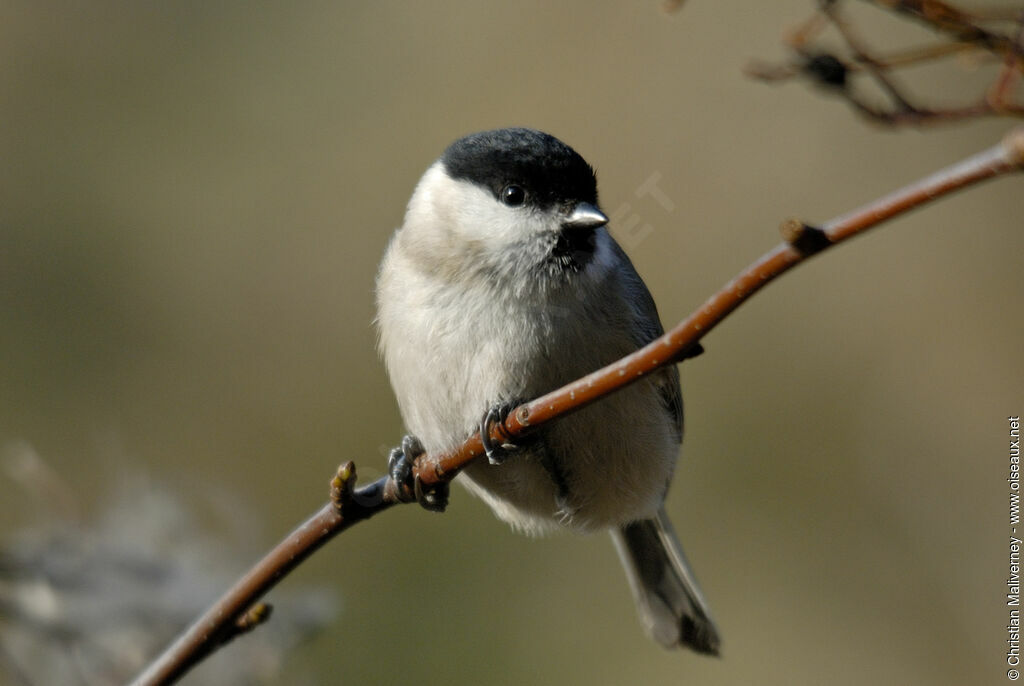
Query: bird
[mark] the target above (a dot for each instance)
(503, 283)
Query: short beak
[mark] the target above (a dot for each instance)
(585, 216)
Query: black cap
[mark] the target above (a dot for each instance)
(550, 171)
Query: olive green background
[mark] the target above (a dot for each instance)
(194, 198)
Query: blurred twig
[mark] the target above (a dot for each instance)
(960, 32)
(349, 505)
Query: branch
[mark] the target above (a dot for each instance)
(960, 25)
(348, 506)
(961, 29)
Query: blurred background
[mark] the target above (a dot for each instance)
(194, 198)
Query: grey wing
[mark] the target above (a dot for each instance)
(648, 328)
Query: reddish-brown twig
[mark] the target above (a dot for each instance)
(961, 25)
(349, 505)
(963, 29)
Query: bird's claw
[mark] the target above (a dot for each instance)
(497, 452)
(400, 469)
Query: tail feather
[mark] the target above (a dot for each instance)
(669, 602)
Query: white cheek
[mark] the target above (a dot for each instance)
(445, 213)
(481, 217)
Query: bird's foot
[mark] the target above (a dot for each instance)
(400, 468)
(497, 452)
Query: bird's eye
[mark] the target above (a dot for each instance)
(513, 195)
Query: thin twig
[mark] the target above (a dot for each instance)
(1009, 75)
(962, 27)
(876, 68)
(349, 505)
(956, 23)
(927, 53)
(767, 71)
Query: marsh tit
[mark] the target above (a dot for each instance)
(503, 284)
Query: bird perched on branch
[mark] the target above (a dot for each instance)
(503, 284)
